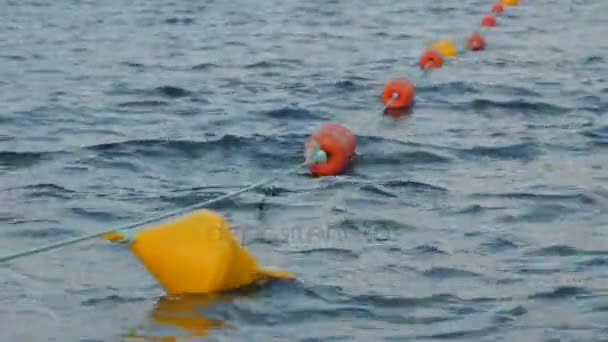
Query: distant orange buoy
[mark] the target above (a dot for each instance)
(431, 59)
(402, 89)
(488, 20)
(476, 42)
(338, 143)
(498, 8)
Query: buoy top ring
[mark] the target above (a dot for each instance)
(398, 93)
(431, 59)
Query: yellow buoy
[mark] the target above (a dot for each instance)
(445, 47)
(197, 253)
(509, 2)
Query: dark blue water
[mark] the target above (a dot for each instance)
(480, 216)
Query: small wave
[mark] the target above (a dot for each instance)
(516, 311)
(536, 271)
(340, 312)
(372, 140)
(114, 164)
(523, 151)
(41, 234)
(448, 272)
(561, 292)
(412, 184)
(180, 21)
(41, 186)
(427, 250)
(599, 136)
(253, 316)
(563, 250)
(593, 60)
(380, 301)
(13, 57)
(498, 245)
(517, 91)
(471, 209)
(112, 300)
(342, 252)
(326, 293)
(401, 158)
(443, 9)
(204, 66)
(191, 198)
(18, 221)
(17, 160)
(192, 148)
(96, 214)
(601, 308)
(345, 85)
(460, 88)
(538, 213)
(263, 241)
(172, 91)
(235, 43)
(518, 106)
(466, 334)
(260, 65)
(233, 204)
(143, 103)
(595, 262)
(293, 114)
(538, 197)
(44, 190)
(316, 11)
(134, 65)
(5, 217)
(376, 225)
(273, 63)
(378, 190)
(590, 103)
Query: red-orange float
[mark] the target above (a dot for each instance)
(338, 142)
(498, 8)
(488, 21)
(476, 42)
(431, 59)
(398, 93)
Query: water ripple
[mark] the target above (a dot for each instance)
(561, 292)
(478, 215)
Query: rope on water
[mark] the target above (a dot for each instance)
(317, 156)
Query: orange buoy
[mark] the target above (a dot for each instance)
(401, 91)
(488, 20)
(431, 59)
(338, 143)
(498, 8)
(476, 42)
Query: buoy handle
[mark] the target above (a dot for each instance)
(315, 155)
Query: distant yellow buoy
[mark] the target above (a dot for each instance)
(197, 254)
(445, 47)
(509, 2)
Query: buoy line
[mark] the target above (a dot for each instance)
(197, 252)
